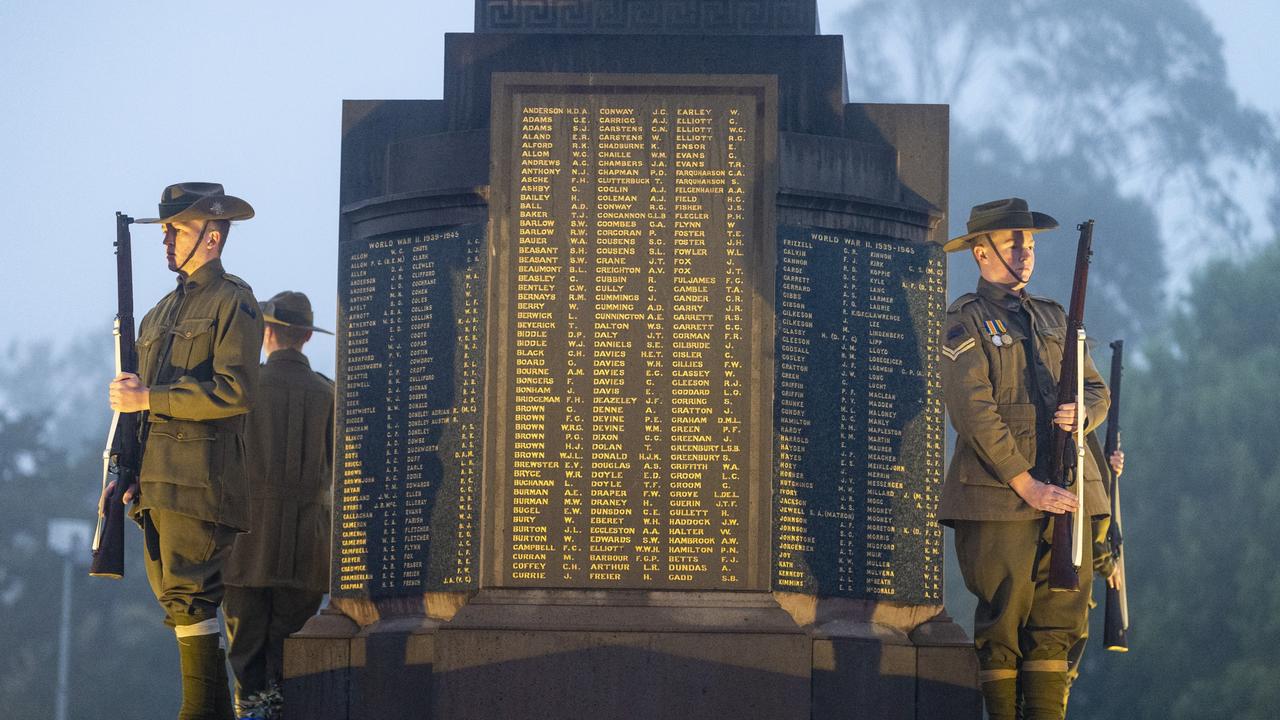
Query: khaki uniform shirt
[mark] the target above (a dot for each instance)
(198, 353)
(1001, 396)
(290, 450)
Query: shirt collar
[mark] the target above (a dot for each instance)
(289, 355)
(1001, 296)
(203, 275)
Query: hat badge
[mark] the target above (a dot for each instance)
(216, 208)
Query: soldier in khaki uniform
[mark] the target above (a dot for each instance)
(278, 572)
(1001, 353)
(197, 373)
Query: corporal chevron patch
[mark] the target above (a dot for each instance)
(957, 351)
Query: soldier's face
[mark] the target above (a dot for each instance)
(179, 239)
(1018, 250)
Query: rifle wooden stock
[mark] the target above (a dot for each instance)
(1063, 574)
(108, 555)
(122, 455)
(1116, 628)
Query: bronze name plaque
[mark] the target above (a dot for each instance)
(631, 289)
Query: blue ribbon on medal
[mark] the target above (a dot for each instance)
(997, 333)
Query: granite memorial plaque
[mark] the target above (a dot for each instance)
(407, 472)
(631, 290)
(858, 416)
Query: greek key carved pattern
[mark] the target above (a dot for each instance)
(710, 17)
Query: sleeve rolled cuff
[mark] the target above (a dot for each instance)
(1094, 412)
(161, 403)
(1011, 468)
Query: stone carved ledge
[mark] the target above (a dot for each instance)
(649, 17)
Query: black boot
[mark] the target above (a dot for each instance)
(1044, 695)
(226, 707)
(205, 695)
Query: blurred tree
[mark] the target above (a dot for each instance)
(123, 663)
(1118, 110)
(1127, 274)
(53, 383)
(1202, 492)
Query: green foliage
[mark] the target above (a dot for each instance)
(1202, 492)
(122, 661)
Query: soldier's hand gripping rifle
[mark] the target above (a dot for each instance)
(1116, 629)
(1067, 452)
(122, 454)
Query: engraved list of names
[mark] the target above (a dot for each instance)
(859, 433)
(627, 421)
(408, 467)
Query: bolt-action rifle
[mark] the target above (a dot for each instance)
(123, 452)
(1067, 451)
(1116, 629)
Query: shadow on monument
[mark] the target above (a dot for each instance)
(395, 679)
(516, 674)
(332, 671)
(616, 677)
(854, 678)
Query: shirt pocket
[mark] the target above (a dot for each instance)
(193, 347)
(1009, 379)
(1020, 418)
(1052, 341)
(147, 346)
(182, 453)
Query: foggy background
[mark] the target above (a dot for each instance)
(1159, 119)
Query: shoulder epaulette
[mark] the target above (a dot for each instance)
(962, 301)
(237, 281)
(1046, 301)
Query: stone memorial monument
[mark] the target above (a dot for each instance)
(638, 401)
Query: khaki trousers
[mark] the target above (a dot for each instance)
(184, 558)
(1019, 623)
(258, 621)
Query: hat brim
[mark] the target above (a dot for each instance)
(214, 207)
(1040, 223)
(271, 319)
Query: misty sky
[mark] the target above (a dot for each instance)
(106, 103)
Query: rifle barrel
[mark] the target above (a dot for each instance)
(1064, 574)
(120, 458)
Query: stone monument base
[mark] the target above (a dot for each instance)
(610, 655)
(615, 655)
